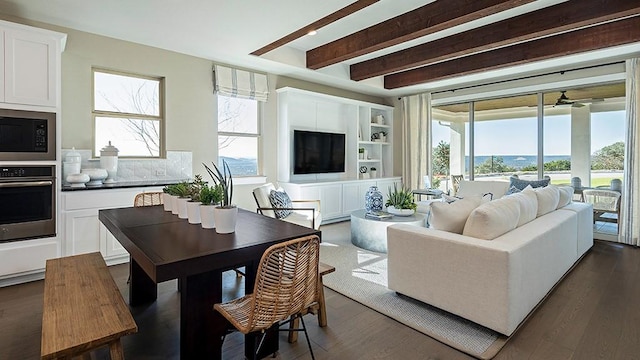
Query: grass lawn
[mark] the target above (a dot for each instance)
(595, 182)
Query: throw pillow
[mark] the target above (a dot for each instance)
(280, 199)
(451, 217)
(548, 199)
(528, 202)
(566, 196)
(521, 184)
(512, 190)
(492, 219)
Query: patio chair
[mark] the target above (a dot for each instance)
(286, 286)
(604, 202)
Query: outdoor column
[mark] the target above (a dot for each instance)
(457, 148)
(581, 143)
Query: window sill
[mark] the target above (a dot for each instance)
(249, 180)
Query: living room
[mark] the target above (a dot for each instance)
(128, 45)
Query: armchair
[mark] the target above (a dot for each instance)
(304, 215)
(604, 202)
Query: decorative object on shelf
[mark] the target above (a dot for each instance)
(373, 200)
(361, 153)
(379, 119)
(374, 137)
(382, 136)
(77, 180)
(109, 162)
(400, 201)
(96, 176)
(363, 172)
(374, 172)
(226, 213)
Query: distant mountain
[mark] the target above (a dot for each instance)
(517, 161)
(241, 166)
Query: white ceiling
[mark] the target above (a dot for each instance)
(228, 31)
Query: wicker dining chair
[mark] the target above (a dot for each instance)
(148, 199)
(286, 286)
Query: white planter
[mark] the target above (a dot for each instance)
(225, 219)
(193, 212)
(206, 216)
(174, 204)
(400, 212)
(374, 173)
(182, 207)
(166, 201)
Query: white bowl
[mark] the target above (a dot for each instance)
(400, 212)
(96, 176)
(77, 180)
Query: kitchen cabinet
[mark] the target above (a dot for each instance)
(31, 65)
(82, 230)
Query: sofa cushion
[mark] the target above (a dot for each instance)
(495, 187)
(451, 217)
(521, 184)
(566, 196)
(548, 199)
(528, 203)
(492, 219)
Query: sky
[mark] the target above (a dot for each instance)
(519, 136)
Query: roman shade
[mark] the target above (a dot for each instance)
(240, 83)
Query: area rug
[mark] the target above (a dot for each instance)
(362, 276)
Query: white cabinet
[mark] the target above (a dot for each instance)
(338, 199)
(30, 64)
(82, 230)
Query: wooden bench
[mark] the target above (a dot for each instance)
(320, 309)
(83, 308)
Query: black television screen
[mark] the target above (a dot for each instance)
(317, 152)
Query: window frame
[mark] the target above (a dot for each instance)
(258, 135)
(162, 154)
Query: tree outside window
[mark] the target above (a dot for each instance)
(127, 110)
(238, 134)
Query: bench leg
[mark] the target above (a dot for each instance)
(115, 350)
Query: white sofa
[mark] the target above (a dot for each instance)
(495, 283)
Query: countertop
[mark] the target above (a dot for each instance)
(124, 184)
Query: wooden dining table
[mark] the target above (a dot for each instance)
(163, 247)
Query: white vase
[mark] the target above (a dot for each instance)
(166, 201)
(225, 219)
(206, 216)
(400, 212)
(193, 212)
(174, 204)
(182, 207)
(374, 173)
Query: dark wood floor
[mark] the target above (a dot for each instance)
(594, 313)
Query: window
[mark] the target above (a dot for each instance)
(238, 135)
(128, 111)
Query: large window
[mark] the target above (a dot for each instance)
(128, 111)
(239, 135)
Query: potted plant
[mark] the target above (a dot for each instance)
(182, 191)
(172, 190)
(166, 197)
(193, 205)
(361, 153)
(210, 197)
(226, 213)
(400, 201)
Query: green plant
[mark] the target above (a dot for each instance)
(361, 150)
(195, 187)
(373, 169)
(400, 198)
(171, 189)
(225, 180)
(182, 189)
(210, 195)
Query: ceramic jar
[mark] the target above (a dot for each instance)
(109, 162)
(373, 200)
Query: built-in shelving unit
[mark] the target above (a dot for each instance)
(362, 123)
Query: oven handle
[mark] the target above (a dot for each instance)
(25, 184)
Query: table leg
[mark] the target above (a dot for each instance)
(142, 289)
(201, 327)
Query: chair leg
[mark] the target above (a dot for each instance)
(304, 328)
(322, 311)
(255, 355)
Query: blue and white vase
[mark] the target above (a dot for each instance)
(373, 199)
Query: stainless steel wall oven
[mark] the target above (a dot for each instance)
(27, 202)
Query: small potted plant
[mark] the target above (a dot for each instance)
(193, 205)
(210, 197)
(373, 171)
(182, 190)
(361, 153)
(226, 213)
(172, 190)
(166, 197)
(400, 201)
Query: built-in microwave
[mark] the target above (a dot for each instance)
(27, 135)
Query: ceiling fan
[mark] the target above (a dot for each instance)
(564, 100)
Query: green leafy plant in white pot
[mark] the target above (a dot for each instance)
(225, 214)
(193, 205)
(210, 197)
(182, 190)
(400, 201)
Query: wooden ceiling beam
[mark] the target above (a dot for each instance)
(544, 22)
(335, 16)
(425, 20)
(593, 38)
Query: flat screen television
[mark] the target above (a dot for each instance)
(317, 152)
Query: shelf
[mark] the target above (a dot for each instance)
(368, 160)
(380, 125)
(373, 143)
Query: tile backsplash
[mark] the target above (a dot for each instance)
(177, 166)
